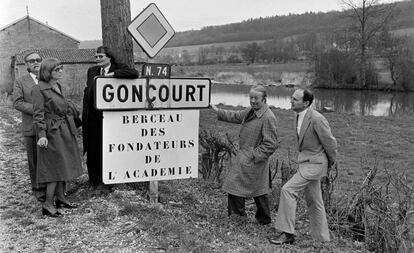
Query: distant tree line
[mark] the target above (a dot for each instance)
(349, 57)
(365, 43)
(267, 28)
(272, 51)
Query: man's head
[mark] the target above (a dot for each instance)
(33, 60)
(301, 99)
(103, 56)
(257, 97)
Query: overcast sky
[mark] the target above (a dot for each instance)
(81, 19)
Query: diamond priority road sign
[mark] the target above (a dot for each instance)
(151, 30)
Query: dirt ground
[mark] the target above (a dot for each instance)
(191, 215)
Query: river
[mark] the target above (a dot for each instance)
(360, 102)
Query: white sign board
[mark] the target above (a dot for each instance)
(151, 30)
(121, 94)
(150, 145)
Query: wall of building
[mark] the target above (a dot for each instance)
(26, 34)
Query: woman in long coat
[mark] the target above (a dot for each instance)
(248, 176)
(54, 122)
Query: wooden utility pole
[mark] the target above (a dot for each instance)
(116, 17)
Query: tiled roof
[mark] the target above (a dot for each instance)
(70, 55)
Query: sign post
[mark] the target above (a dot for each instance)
(150, 127)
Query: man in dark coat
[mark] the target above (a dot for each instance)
(107, 66)
(248, 177)
(22, 101)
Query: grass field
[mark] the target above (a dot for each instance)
(191, 215)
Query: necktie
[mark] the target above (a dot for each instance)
(297, 124)
(102, 71)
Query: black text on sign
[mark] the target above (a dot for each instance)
(118, 94)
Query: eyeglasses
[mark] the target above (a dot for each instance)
(99, 56)
(38, 60)
(58, 68)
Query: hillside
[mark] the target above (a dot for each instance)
(266, 28)
(283, 26)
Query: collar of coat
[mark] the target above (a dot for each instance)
(45, 85)
(259, 113)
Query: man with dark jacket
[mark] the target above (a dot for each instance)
(22, 101)
(107, 66)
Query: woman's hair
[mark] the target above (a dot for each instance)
(107, 52)
(260, 88)
(46, 68)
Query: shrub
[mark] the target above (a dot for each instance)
(217, 150)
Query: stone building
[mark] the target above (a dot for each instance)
(27, 33)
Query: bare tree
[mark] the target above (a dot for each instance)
(202, 55)
(370, 17)
(251, 51)
(116, 17)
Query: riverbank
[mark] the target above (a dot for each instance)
(292, 73)
(191, 215)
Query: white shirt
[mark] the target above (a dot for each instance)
(300, 120)
(34, 77)
(106, 69)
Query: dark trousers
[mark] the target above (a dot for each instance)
(236, 205)
(94, 164)
(31, 150)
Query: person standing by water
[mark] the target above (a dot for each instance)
(22, 101)
(107, 66)
(54, 122)
(317, 151)
(249, 176)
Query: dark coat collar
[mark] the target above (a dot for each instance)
(45, 85)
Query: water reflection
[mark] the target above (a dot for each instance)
(374, 103)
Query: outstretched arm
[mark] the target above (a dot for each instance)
(123, 71)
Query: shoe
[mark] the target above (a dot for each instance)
(262, 222)
(48, 213)
(41, 198)
(102, 190)
(283, 238)
(60, 204)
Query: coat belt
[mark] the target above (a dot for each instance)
(59, 119)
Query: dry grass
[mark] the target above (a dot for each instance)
(191, 215)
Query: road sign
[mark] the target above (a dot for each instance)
(156, 70)
(151, 30)
(147, 93)
(150, 145)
